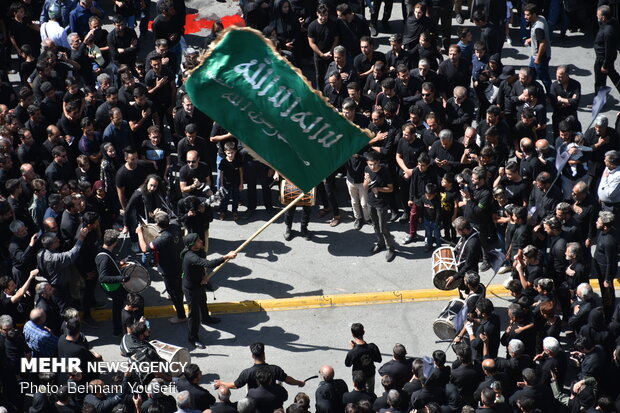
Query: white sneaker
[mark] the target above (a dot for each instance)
(509, 40)
(504, 269)
(507, 282)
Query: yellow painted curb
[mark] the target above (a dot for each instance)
(318, 301)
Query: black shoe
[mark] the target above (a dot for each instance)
(248, 214)
(373, 31)
(210, 320)
(305, 234)
(409, 239)
(484, 266)
(428, 248)
(459, 18)
(288, 234)
(358, 224)
(394, 216)
(197, 344)
(377, 248)
(390, 255)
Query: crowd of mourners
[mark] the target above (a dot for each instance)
(99, 142)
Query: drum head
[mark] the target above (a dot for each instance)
(443, 329)
(439, 280)
(139, 278)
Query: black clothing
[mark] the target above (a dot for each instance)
(200, 397)
(268, 398)
(328, 396)
(130, 180)
(248, 376)
(362, 357)
(194, 265)
(356, 396)
(398, 370)
(453, 155)
(187, 175)
(122, 40)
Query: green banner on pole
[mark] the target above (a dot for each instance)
(247, 87)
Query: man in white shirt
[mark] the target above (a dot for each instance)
(53, 30)
(609, 187)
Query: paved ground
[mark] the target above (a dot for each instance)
(298, 341)
(337, 260)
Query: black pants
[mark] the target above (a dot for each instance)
(173, 286)
(320, 67)
(387, 11)
(326, 191)
(600, 78)
(305, 216)
(257, 172)
(445, 14)
(118, 301)
(197, 303)
(486, 239)
(608, 294)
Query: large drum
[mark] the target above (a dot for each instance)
(451, 320)
(444, 266)
(172, 353)
(289, 192)
(139, 277)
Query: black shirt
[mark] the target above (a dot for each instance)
(231, 171)
(323, 34)
(410, 151)
(162, 96)
(169, 244)
(163, 28)
(379, 179)
(248, 376)
(131, 180)
(187, 175)
(194, 263)
(362, 357)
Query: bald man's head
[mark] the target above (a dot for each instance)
(37, 316)
(488, 365)
(223, 393)
(327, 373)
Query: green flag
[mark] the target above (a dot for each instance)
(247, 87)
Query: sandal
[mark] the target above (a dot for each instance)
(335, 221)
(323, 212)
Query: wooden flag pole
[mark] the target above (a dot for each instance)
(256, 234)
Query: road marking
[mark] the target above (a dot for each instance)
(319, 301)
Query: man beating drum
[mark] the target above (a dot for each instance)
(194, 264)
(111, 277)
(468, 252)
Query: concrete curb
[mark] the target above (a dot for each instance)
(319, 301)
